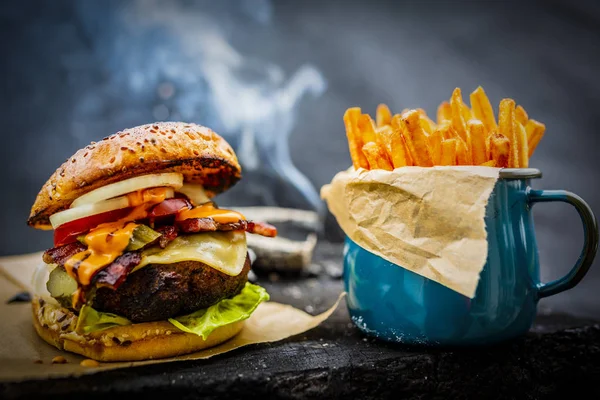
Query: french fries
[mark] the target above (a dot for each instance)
(478, 146)
(426, 123)
(508, 127)
(499, 149)
(521, 115)
(383, 137)
(491, 163)
(399, 151)
(444, 112)
(460, 135)
(535, 132)
(435, 146)
(446, 128)
(448, 156)
(463, 155)
(383, 115)
(417, 139)
(354, 138)
(523, 150)
(482, 109)
(376, 156)
(367, 128)
(458, 120)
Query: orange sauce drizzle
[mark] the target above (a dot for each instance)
(105, 244)
(147, 196)
(107, 241)
(209, 211)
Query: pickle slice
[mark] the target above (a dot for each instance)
(61, 286)
(142, 236)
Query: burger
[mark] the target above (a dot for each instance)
(145, 264)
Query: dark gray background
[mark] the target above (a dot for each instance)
(73, 72)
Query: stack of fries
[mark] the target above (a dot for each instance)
(461, 135)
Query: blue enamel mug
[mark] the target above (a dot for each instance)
(397, 305)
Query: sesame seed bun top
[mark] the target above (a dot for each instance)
(201, 155)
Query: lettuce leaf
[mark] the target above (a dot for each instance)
(201, 322)
(227, 311)
(91, 320)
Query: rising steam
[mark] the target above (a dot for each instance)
(175, 61)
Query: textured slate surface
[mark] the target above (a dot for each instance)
(559, 357)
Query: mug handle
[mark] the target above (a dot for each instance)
(590, 239)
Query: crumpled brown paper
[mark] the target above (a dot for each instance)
(20, 346)
(427, 220)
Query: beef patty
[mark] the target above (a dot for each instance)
(160, 291)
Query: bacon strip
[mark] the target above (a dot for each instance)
(115, 273)
(194, 225)
(60, 255)
(261, 228)
(168, 232)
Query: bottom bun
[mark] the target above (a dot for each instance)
(136, 342)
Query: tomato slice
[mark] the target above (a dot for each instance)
(68, 232)
(168, 207)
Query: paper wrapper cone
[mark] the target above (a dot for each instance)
(427, 220)
(20, 345)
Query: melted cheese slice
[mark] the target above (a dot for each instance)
(223, 251)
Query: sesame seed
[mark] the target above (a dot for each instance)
(89, 363)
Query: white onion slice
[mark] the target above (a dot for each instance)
(170, 179)
(40, 277)
(71, 214)
(194, 192)
(86, 210)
